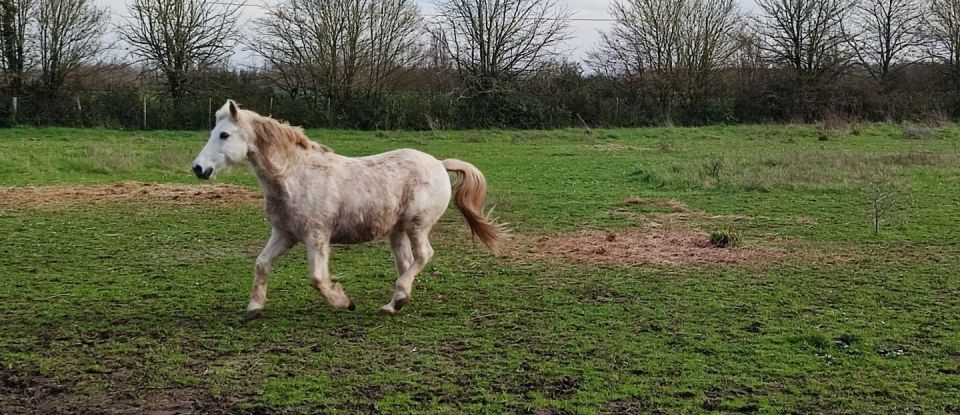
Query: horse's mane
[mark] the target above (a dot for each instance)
(273, 133)
(268, 132)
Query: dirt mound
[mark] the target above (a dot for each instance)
(642, 246)
(127, 192)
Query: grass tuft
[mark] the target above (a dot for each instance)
(644, 175)
(724, 238)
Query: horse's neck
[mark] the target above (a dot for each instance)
(277, 152)
(271, 173)
(272, 185)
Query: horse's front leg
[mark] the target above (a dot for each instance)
(318, 254)
(278, 244)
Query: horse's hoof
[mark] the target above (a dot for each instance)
(252, 314)
(387, 310)
(352, 306)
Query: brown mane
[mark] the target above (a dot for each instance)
(274, 136)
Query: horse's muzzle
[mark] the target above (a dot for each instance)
(201, 173)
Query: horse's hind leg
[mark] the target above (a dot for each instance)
(402, 254)
(276, 246)
(318, 253)
(419, 247)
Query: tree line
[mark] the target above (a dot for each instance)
(479, 63)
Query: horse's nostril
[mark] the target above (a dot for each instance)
(201, 173)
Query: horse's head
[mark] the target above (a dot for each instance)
(228, 143)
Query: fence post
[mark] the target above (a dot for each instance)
(271, 106)
(144, 112)
(210, 112)
(79, 112)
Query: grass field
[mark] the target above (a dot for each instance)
(133, 304)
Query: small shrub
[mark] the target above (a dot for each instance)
(713, 168)
(880, 193)
(837, 121)
(667, 145)
(646, 176)
(935, 119)
(723, 238)
(434, 123)
(913, 131)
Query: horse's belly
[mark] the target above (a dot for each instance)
(352, 230)
(354, 237)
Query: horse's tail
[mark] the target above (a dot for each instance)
(470, 192)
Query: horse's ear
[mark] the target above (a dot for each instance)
(233, 109)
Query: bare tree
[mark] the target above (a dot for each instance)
(805, 35)
(886, 35)
(15, 18)
(68, 36)
(179, 38)
(338, 47)
(944, 26)
(684, 42)
(492, 41)
(748, 56)
(880, 192)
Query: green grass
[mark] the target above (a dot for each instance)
(120, 307)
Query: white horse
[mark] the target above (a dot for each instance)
(317, 197)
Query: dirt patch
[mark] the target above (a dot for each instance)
(566, 387)
(127, 192)
(31, 393)
(643, 246)
(24, 393)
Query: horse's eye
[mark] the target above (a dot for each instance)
(224, 135)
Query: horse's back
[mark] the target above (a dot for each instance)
(401, 157)
(422, 178)
(408, 169)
